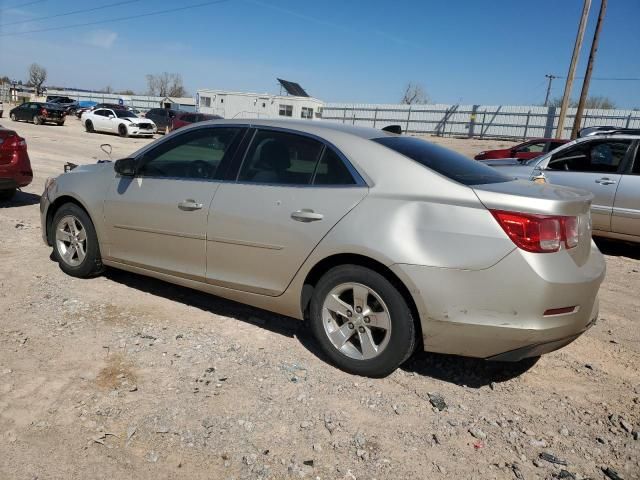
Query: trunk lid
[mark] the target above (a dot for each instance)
(543, 199)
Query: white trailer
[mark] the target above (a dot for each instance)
(257, 105)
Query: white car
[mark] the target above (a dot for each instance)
(123, 122)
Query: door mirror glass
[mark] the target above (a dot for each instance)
(125, 167)
(111, 116)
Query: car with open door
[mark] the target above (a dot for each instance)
(383, 242)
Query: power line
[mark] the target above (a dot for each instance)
(85, 10)
(23, 5)
(611, 79)
(118, 19)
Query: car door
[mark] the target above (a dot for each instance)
(21, 112)
(158, 218)
(290, 190)
(626, 208)
(594, 166)
(32, 111)
(99, 120)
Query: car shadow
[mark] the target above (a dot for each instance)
(466, 371)
(470, 372)
(275, 323)
(20, 199)
(618, 248)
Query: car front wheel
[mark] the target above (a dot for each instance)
(13, 117)
(88, 125)
(361, 321)
(36, 120)
(122, 131)
(75, 243)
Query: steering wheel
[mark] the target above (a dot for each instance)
(200, 169)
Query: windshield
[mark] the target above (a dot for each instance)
(125, 114)
(446, 162)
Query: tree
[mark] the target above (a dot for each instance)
(414, 94)
(5, 79)
(595, 101)
(165, 85)
(37, 76)
(126, 92)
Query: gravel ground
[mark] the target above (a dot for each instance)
(124, 376)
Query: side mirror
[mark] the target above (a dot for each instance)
(112, 116)
(125, 167)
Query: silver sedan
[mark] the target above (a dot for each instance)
(383, 242)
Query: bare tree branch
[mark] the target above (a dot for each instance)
(414, 94)
(37, 76)
(165, 85)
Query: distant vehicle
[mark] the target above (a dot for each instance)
(15, 167)
(120, 121)
(606, 165)
(162, 117)
(68, 104)
(526, 151)
(83, 106)
(182, 119)
(38, 113)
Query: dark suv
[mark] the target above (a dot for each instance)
(162, 117)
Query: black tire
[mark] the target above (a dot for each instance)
(88, 125)
(122, 131)
(91, 265)
(36, 120)
(13, 117)
(402, 339)
(6, 195)
(60, 123)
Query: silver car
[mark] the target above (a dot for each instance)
(606, 165)
(383, 242)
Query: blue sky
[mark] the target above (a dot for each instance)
(468, 51)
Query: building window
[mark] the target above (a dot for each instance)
(307, 112)
(221, 100)
(205, 101)
(319, 112)
(286, 110)
(264, 105)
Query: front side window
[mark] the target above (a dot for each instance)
(446, 162)
(280, 158)
(100, 113)
(306, 112)
(286, 110)
(596, 157)
(193, 155)
(537, 147)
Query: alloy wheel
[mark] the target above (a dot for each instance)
(71, 240)
(356, 321)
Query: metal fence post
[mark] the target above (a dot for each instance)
(628, 120)
(484, 114)
(472, 121)
(375, 117)
(406, 130)
(526, 127)
(344, 115)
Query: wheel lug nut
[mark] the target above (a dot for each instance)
(367, 320)
(351, 325)
(358, 309)
(349, 313)
(361, 329)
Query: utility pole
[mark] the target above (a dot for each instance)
(551, 79)
(572, 67)
(587, 76)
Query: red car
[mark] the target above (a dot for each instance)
(187, 118)
(526, 151)
(15, 167)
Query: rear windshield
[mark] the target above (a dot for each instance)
(444, 161)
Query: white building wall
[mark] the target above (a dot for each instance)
(255, 105)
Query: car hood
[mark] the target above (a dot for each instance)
(138, 120)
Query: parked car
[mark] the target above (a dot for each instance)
(69, 105)
(162, 117)
(84, 106)
(364, 232)
(38, 113)
(606, 165)
(15, 167)
(122, 122)
(526, 151)
(182, 119)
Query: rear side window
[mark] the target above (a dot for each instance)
(446, 162)
(332, 171)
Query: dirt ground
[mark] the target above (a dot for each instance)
(125, 377)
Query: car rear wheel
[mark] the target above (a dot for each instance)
(122, 131)
(36, 120)
(75, 243)
(60, 123)
(7, 194)
(361, 321)
(13, 117)
(88, 125)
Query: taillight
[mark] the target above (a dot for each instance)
(539, 233)
(43, 112)
(13, 143)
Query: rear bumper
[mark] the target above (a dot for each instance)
(498, 312)
(22, 179)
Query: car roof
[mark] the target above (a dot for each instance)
(314, 127)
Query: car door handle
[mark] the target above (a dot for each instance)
(306, 215)
(606, 181)
(189, 205)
